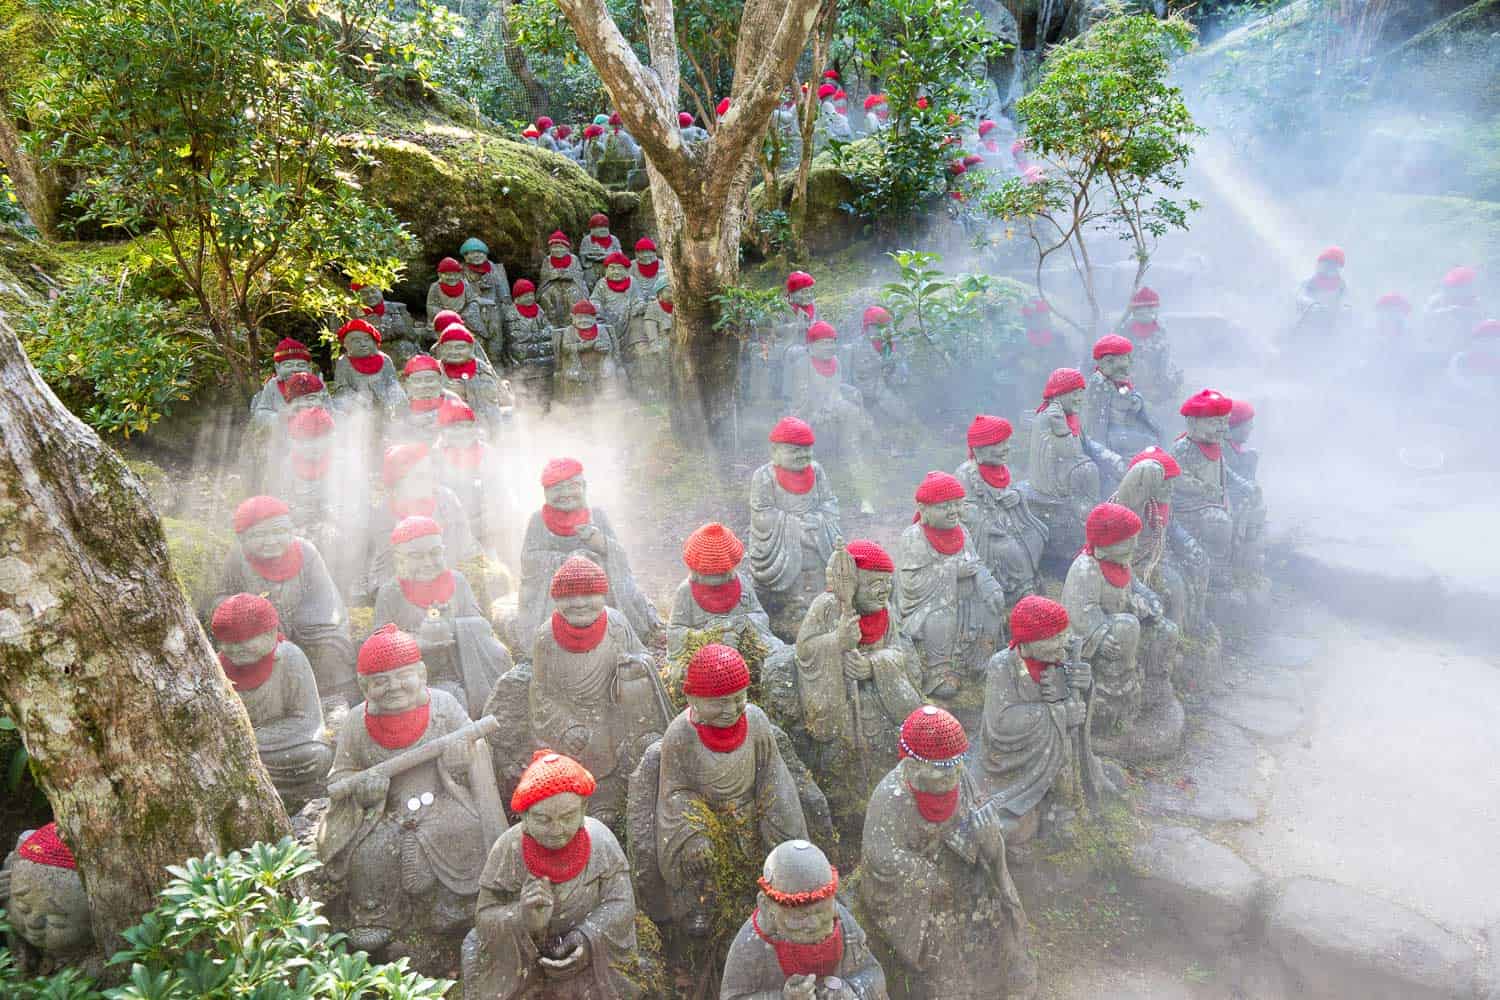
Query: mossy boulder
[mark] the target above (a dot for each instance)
(1452, 60)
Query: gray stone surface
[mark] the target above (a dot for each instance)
(1338, 942)
(1221, 780)
(1202, 887)
(1275, 685)
(1268, 718)
(1292, 651)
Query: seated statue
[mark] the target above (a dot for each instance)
(878, 114)
(1160, 380)
(964, 936)
(561, 282)
(875, 370)
(291, 357)
(398, 337)
(1203, 492)
(530, 347)
(556, 913)
(620, 299)
(585, 358)
(451, 293)
(468, 375)
(305, 476)
(1248, 505)
(363, 377)
(425, 394)
(794, 526)
(1114, 413)
(1064, 483)
(595, 247)
(1007, 535)
(566, 526)
(691, 134)
(719, 757)
(436, 606)
(270, 559)
(406, 832)
(412, 489)
(475, 472)
(487, 278)
(946, 599)
(1323, 301)
(817, 393)
(1044, 352)
(51, 927)
(268, 440)
(1166, 557)
(1030, 766)
(800, 942)
(1453, 310)
(646, 267)
(594, 688)
(646, 354)
(1123, 631)
(763, 361)
(275, 682)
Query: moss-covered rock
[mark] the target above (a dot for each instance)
(197, 552)
(1452, 60)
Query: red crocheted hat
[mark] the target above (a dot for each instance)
(875, 314)
(530, 132)
(363, 326)
(420, 363)
(1063, 380)
(1334, 254)
(1112, 343)
(290, 350)
(722, 108)
(1240, 411)
(453, 412)
(1109, 523)
(550, 774)
(715, 671)
(558, 236)
(593, 131)
(986, 127)
(645, 243)
(444, 319)
(585, 307)
(869, 556)
(1394, 301)
(1035, 617)
(598, 219)
(986, 430)
(617, 258)
(1036, 307)
(399, 460)
(257, 509)
(1163, 458)
(578, 577)
(684, 120)
(713, 549)
(544, 123)
(1207, 403)
(522, 287)
(302, 384)
(449, 266)
(798, 280)
(875, 100)
(388, 649)
(455, 331)
(243, 616)
(933, 736)
(1144, 296)
(1483, 330)
(313, 422)
(821, 331)
(560, 469)
(826, 91)
(791, 430)
(1460, 276)
(414, 527)
(45, 847)
(940, 487)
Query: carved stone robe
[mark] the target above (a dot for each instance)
(288, 722)
(543, 553)
(381, 391)
(1059, 469)
(1025, 743)
(1007, 535)
(620, 311)
(1116, 415)
(493, 291)
(791, 536)
(465, 304)
(752, 971)
(940, 600)
(1160, 380)
(688, 616)
(586, 369)
(458, 541)
(558, 289)
(1096, 609)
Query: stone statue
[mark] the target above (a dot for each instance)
(436, 606)
(51, 928)
(413, 807)
(487, 279)
(412, 488)
(794, 526)
(1473, 374)
(595, 247)
(594, 146)
(545, 137)
(469, 376)
(556, 913)
(565, 526)
(1323, 299)
(800, 942)
(594, 688)
(294, 387)
(646, 267)
(275, 682)
(647, 353)
(530, 347)
(817, 393)
(832, 123)
(585, 358)
(1064, 484)
(947, 600)
(363, 377)
(1034, 762)
(691, 134)
(291, 357)
(1202, 494)
(474, 471)
(621, 300)
(1159, 378)
(1045, 351)
(1393, 317)
(451, 292)
(325, 487)
(934, 885)
(425, 394)
(1114, 412)
(398, 337)
(1166, 557)
(1123, 632)
(1454, 309)
(877, 113)
(1009, 538)
(876, 371)
(270, 560)
(1247, 504)
(719, 757)
(561, 281)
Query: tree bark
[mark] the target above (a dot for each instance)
(37, 188)
(516, 62)
(135, 734)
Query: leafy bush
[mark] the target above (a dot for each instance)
(121, 363)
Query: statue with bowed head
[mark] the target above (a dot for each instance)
(487, 278)
(817, 393)
(934, 885)
(646, 356)
(1160, 380)
(51, 927)
(646, 267)
(800, 942)
(364, 378)
(621, 299)
(451, 293)
(1323, 300)
(530, 347)
(1114, 412)
(291, 357)
(473, 470)
(561, 282)
(595, 247)
(467, 374)
(412, 489)
(275, 683)
(585, 358)
(1008, 537)
(556, 913)
(1166, 557)
(398, 337)
(1203, 493)
(691, 134)
(1064, 484)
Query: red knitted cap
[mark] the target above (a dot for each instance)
(302, 384)
(578, 577)
(1145, 296)
(1393, 300)
(987, 430)
(940, 487)
(830, 74)
(243, 616)
(544, 123)
(363, 326)
(645, 243)
(713, 549)
(1035, 307)
(933, 736)
(826, 91)
(449, 266)
(593, 131)
(877, 99)
(453, 412)
(1109, 523)
(598, 219)
(1460, 276)
(617, 258)
(420, 363)
(791, 430)
(388, 649)
(1112, 343)
(1241, 411)
(257, 509)
(1163, 458)
(558, 236)
(1035, 617)
(45, 847)
(399, 460)
(547, 775)
(684, 120)
(798, 280)
(530, 132)
(414, 527)
(875, 314)
(444, 319)
(1335, 254)
(715, 671)
(821, 331)
(722, 108)
(289, 350)
(560, 469)
(1483, 330)
(455, 331)
(585, 307)
(1062, 381)
(869, 556)
(521, 287)
(1207, 403)
(311, 423)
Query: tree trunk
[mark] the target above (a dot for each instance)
(705, 361)
(520, 68)
(135, 734)
(37, 188)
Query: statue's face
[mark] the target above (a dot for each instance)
(527, 299)
(1119, 552)
(928, 778)
(1071, 402)
(252, 650)
(1209, 430)
(800, 924)
(460, 435)
(872, 592)
(585, 321)
(424, 385)
(569, 494)
(475, 257)
(647, 257)
(802, 296)
(1240, 433)
(711, 579)
(1328, 267)
(665, 295)
(1386, 321)
(358, 344)
(312, 399)
(942, 515)
(418, 481)
(394, 691)
(286, 369)
(371, 296)
(581, 610)
(993, 454)
(791, 457)
(1053, 649)
(602, 232)
(455, 352)
(555, 820)
(558, 249)
(616, 272)
(719, 712)
(267, 539)
(1144, 314)
(823, 349)
(1116, 367)
(49, 908)
(421, 558)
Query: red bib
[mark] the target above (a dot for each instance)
(648, 270)
(452, 291)
(1036, 667)
(468, 457)
(564, 522)
(1040, 338)
(1118, 574)
(821, 959)
(873, 626)
(796, 482)
(666, 307)
(579, 640)
(601, 242)
(308, 469)
(1142, 331)
(530, 311)
(368, 365)
(591, 333)
(419, 507)
(561, 865)
(462, 371)
(375, 310)
(997, 476)
(282, 567)
(561, 263)
(726, 739)
(623, 285)
(827, 367)
(717, 598)
(935, 807)
(948, 541)
(395, 732)
(251, 675)
(478, 268)
(426, 405)
(426, 593)
(1073, 425)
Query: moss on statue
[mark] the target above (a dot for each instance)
(750, 645)
(732, 871)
